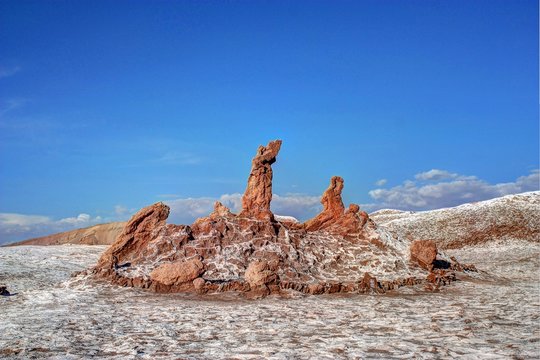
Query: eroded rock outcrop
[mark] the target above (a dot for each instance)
(144, 227)
(334, 218)
(257, 254)
(258, 194)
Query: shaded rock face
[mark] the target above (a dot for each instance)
(144, 227)
(257, 254)
(258, 194)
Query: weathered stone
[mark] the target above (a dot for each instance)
(334, 218)
(143, 227)
(178, 272)
(199, 285)
(333, 207)
(258, 194)
(259, 272)
(424, 253)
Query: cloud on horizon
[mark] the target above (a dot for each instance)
(436, 189)
(186, 210)
(432, 189)
(14, 227)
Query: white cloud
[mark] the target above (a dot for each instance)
(381, 182)
(455, 190)
(185, 211)
(11, 219)
(15, 227)
(6, 71)
(121, 210)
(434, 175)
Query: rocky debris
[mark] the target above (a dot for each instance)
(257, 254)
(438, 278)
(505, 218)
(424, 253)
(258, 194)
(4, 291)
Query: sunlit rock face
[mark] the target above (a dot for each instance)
(257, 254)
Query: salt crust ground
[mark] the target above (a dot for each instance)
(55, 316)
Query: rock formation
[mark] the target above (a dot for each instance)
(257, 254)
(334, 218)
(256, 199)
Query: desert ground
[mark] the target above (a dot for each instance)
(53, 315)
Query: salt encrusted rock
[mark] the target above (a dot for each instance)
(256, 254)
(260, 273)
(143, 227)
(258, 194)
(424, 253)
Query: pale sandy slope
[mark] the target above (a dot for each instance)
(506, 218)
(102, 234)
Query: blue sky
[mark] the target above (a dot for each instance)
(106, 107)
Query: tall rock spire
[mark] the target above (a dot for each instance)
(258, 194)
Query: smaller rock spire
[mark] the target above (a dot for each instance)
(333, 207)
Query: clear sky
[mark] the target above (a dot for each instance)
(108, 106)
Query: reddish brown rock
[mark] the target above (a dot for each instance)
(334, 218)
(424, 253)
(178, 272)
(369, 284)
(258, 194)
(333, 207)
(257, 254)
(144, 226)
(259, 273)
(438, 278)
(199, 285)
(220, 210)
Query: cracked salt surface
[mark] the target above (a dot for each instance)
(55, 316)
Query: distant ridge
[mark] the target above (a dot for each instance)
(102, 234)
(510, 217)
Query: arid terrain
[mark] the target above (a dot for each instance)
(55, 316)
(493, 314)
(446, 283)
